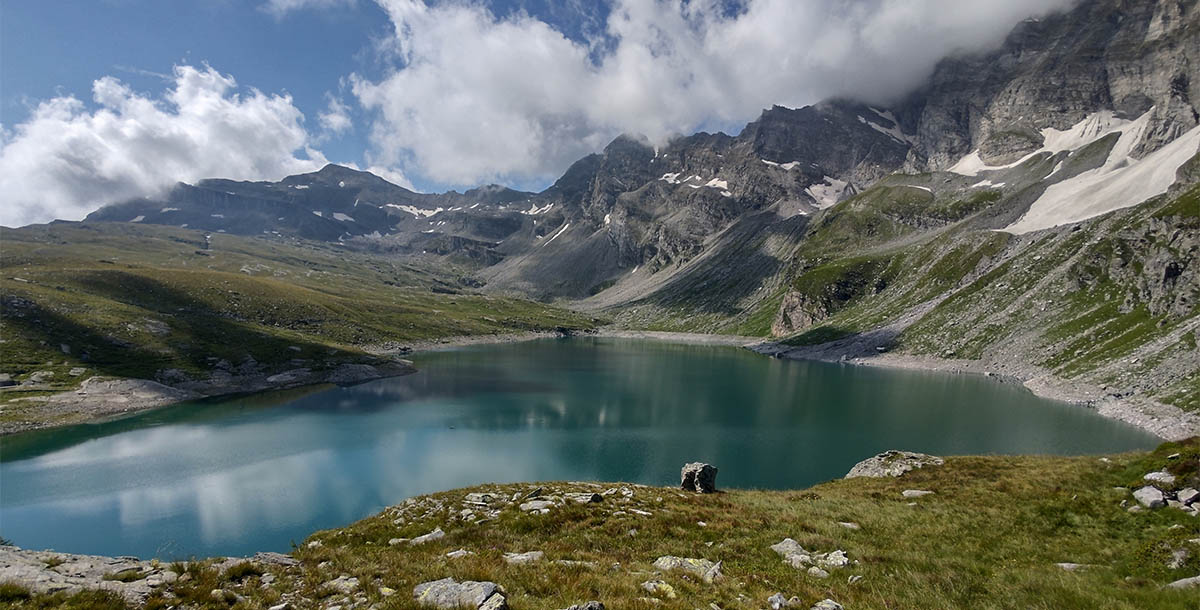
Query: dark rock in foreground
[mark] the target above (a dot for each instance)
(699, 477)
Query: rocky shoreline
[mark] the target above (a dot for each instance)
(102, 398)
(1162, 420)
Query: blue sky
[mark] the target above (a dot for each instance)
(104, 100)
(61, 46)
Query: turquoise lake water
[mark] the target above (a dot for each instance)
(237, 476)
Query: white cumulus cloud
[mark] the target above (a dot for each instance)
(475, 97)
(67, 160)
(336, 117)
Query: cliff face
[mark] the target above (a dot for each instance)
(1125, 56)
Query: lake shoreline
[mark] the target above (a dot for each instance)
(100, 399)
(1164, 421)
(116, 398)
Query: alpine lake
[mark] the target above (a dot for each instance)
(260, 473)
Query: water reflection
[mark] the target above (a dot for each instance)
(257, 473)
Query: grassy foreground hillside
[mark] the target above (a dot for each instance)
(160, 303)
(990, 536)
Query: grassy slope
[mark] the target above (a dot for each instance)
(1073, 300)
(989, 538)
(130, 300)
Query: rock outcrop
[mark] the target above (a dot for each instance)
(892, 463)
(449, 593)
(698, 477)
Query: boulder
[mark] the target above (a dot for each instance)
(778, 601)
(795, 555)
(1188, 496)
(523, 558)
(343, 584)
(540, 506)
(1185, 583)
(659, 587)
(6, 380)
(496, 602)
(698, 477)
(1160, 476)
(481, 499)
(915, 493)
(275, 559)
(583, 498)
(436, 534)
(40, 377)
(703, 568)
(449, 593)
(892, 463)
(592, 605)
(827, 604)
(1150, 497)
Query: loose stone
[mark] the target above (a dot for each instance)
(436, 534)
(1150, 497)
(523, 558)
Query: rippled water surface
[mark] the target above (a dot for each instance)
(256, 473)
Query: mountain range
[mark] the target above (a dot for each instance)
(1033, 208)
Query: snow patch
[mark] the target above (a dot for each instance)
(415, 211)
(671, 178)
(555, 236)
(342, 217)
(1092, 128)
(923, 188)
(717, 183)
(787, 166)
(300, 187)
(138, 218)
(165, 210)
(534, 210)
(827, 193)
(1120, 183)
(217, 215)
(342, 184)
(607, 219)
(317, 213)
(988, 183)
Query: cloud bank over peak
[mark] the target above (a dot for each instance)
(66, 160)
(474, 97)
